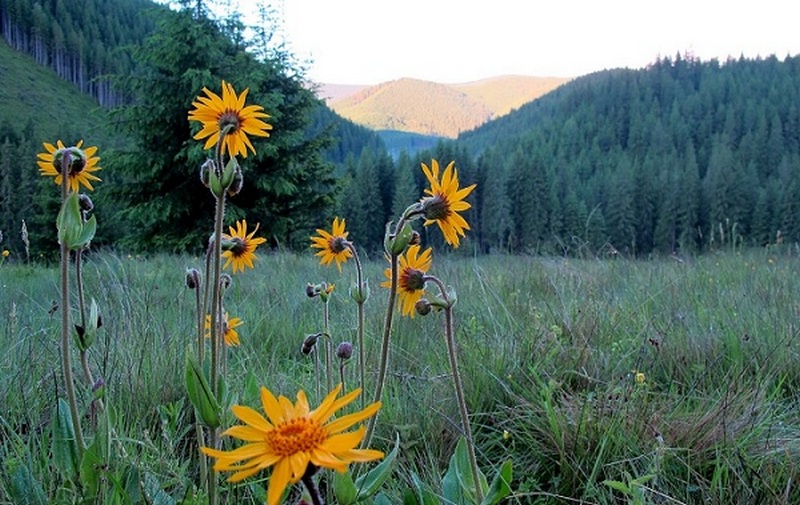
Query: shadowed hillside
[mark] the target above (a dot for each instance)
(445, 110)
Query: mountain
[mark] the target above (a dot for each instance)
(434, 109)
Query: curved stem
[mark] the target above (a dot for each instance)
(360, 330)
(385, 341)
(458, 386)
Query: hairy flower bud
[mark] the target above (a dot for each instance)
(423, 307)
(85, 203)
(192, 278)
(205, 170)
(344, 351)
(237, 183)
(309, 343)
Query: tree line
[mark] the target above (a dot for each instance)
(679, 157)
(80, 40)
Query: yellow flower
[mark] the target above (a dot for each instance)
(410, 277)
(639, 377)
(231, 336)
(83, 163)
(6, 253)
(241, 246)
(445, 201)
(216, 114)
(333, 245)
(291, 437)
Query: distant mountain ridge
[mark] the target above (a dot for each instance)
(430, 108)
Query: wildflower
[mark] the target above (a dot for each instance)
(410, 278)
(231, 336)
(639, 377)
(445, 201)
(6, 253)
(333, 245)
(241, 246)
(292, 437)
(82, 165)
(228, 115)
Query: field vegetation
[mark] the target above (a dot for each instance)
(675, 377)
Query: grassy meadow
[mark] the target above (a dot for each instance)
(677, 379)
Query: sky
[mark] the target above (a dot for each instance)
(457, 41)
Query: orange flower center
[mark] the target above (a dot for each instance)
(411, 279)
(229, 118)
(436, 208)
(296, 435)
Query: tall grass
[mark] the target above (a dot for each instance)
(549, 350)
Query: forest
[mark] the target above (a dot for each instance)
(681, 157)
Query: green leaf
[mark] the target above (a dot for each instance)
(619, 486)
(69, 220)
(501, 485)
(344, 489)
(24, 488)
(214, 183)
(205, 403)
(451, 487)
(154, 491)
(369, 483)
(463, 471)
(424, 496)
(72, 231)
(88, 230)
(92, 470)
(227, 173)
(64, 445)
(382, 499)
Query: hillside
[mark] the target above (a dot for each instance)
(54, 108)
(429, 108)
(681, 156)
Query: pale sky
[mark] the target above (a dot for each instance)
(456, 41)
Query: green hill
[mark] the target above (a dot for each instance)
(681, 156)
(35, 95)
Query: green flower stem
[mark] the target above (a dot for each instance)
(385, 341)
(66, 364)
(457, 385)
(198, 427)
(341, 377)
(215, 329)
(360, 331)
(326, 317)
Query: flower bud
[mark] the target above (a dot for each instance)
(309, 343)
(85, 203)
(423, 307)
(237, 183)
(311, 290)
(325, 291)
(192, 278)
(359, 295)
(344, 351)
(205, 169)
